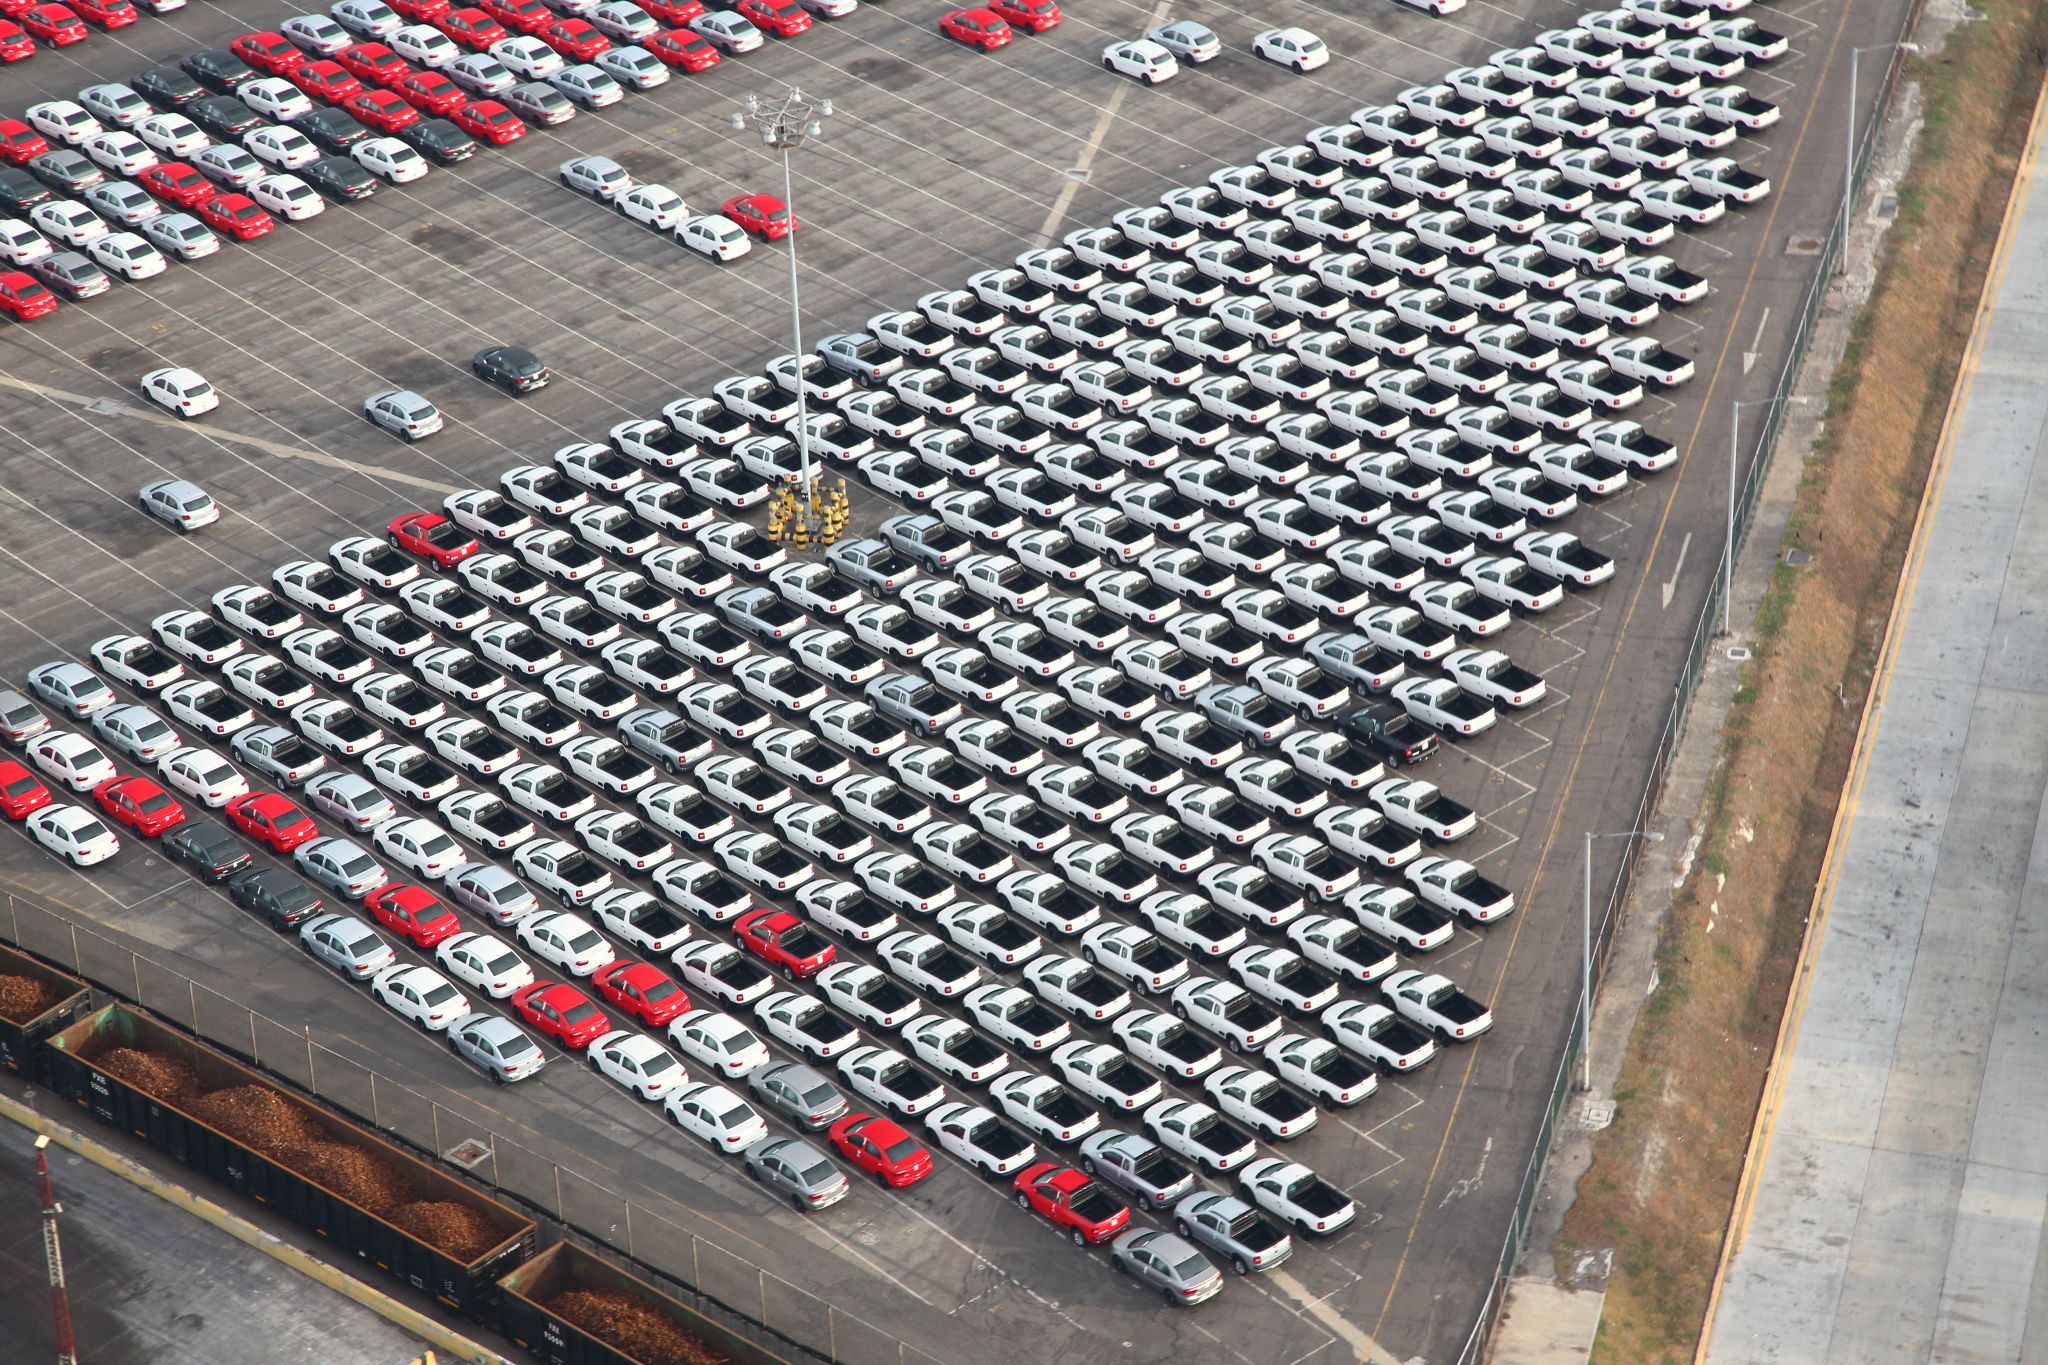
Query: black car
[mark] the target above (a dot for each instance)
(223, 117)
(338, 178)
(331, 130)
(218, 69)
(167, 87)
(20, 191)
(275, 894)
(72, 274)
(512, 368)
(206, 848)
(66, 171)
(438, 140)
(1391, 732)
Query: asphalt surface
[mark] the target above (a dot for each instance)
(938, 161)
(152, 1285)
(1899, 1194)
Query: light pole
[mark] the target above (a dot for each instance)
(1734, 448)
(1586, 951)
(785, 125)
(1849, 166)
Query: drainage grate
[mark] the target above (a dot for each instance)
(1076, 173)
(1797, 558)
(1738, 654)
(468, 1154)
(1803, 245)
(1596, 1114)
(106, 407)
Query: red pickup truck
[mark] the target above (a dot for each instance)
(1072, 1200)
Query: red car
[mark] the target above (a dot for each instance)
(140, 804)
(107, 13)
(374, 63)
(882, 1149)
(1035, 15)
(430, 92)
(763, 215)
(22, 298)
(270, 53)
(982, 28)
(521, 16)
(272, 820)
(55, 25)
(22, 793)
(384, 110)
(431, 536)
(784, 941)
(20, 143)
(491, 121)
(14, 9)
(682, 48)
(471, 28)
(15, 44)
(176, 183)
(326, 80)
(674, 13)
(783, 18)
(1072, 1200)
(575, 39)
(421, 11)
(562, 1011)
(237, 215)
(413, 913)
(646, 993)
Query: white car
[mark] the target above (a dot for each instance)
(419, 994)
(981, 1139)
(717, 1115)
(289, 197)
(651, 205)
(70, 758)
(202, 775)
(1294, 47)
(74, 833)
(714, 236)
(420, 846)
(633, 1061)
(718, 1041)
(1141, 59)
(566, 941)
(1457, 888)
(389, 160)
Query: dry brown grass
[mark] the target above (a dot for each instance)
(1663, 1177)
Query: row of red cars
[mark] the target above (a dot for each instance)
(24, 23)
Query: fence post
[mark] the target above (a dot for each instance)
(558, 1186)
(312, 1083)
(831, 1336)
(629, 1224)
(761, 1279)
(254, 1059)
(192, 999)
(376, 1120)
(696, 1266)
(436, 1108)
(135, 970)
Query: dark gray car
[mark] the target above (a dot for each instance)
(798, 1171)
(1166, 1262)
(800, 1094)
(1234, 1230)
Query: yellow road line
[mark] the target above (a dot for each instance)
(1103, 121)
(1600, 695)
(1873, 707)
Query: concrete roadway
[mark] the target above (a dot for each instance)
(1899, 1191)
(939, 162)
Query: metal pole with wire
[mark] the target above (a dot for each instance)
(784, 126)
(1849, 165)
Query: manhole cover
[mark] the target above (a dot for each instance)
(105, 407)
(468, 1155)
(1798, 558)
(1803, 246)
(1596, 1114)
(1738, 654)
(1888, 207)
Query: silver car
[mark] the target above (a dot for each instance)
(798, 1170)
(492, 892)
(798, 1093)
(1234, 1230)
(496, 1045)
(349, 800)
(181, 235)
(599, 176)
(403, 413)
(1136, 1163)
(345, 868)
(346, 944)
(1166, 1262)
(21, 720)
(180, 504)
(72, 688)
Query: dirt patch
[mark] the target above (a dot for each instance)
(632, 1325)
(22, 998)
(1663, 1179)
(156, 1074)
(460, 1231)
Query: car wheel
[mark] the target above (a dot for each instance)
(1023, 1202)
(752, 1174)
(797, 1202)
(1182, 1010)
(1116, 1264)
(1080, 1239)
(1107, 65)
(1088, 1165)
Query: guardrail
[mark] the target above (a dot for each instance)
(1704, 633)
(752, 1301)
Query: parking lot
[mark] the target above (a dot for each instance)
(937, 162)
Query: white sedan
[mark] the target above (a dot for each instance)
(1142, 59)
